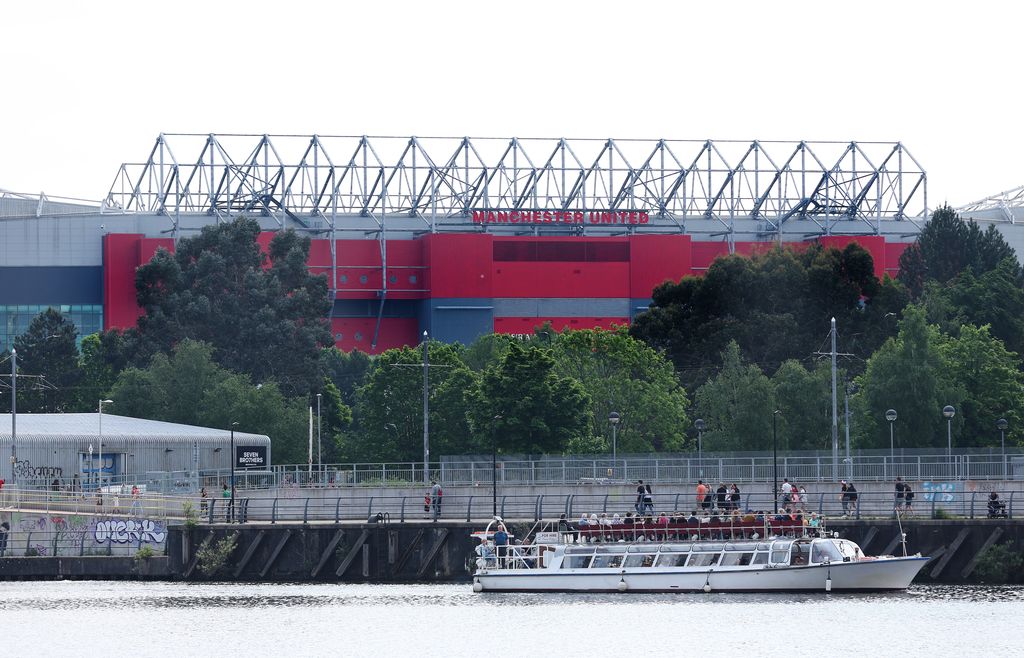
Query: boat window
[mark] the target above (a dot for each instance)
(639, 560)
(639, 548)
(708, 548)
(801, 553)
(579, 550)
(825, 551)
(741, 546)
(703, 559)
(780, 557)
(671, 559)
(782, 545)
(607, 561)
(736, 559)
(764, 546)
(675, 548)
(760, 557)
(576, 561)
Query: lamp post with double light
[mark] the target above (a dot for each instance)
(1001, 425)
(231, 507)
(102, 402)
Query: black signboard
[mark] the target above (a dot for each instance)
(250, 456)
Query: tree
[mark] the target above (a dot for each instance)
(775, 306)
(993, 298)
(389, 406)
(908, 374)
(265, 321)
(622, 374)
(48, 355)
(736, 406)
(98, 373)
(947, 246)
(188, 387)
(993, 385)
(805, 399)
(346, 370)
(525, 406)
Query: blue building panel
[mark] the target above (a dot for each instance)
(51, 285)
(462, 320)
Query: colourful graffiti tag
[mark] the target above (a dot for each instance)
(129, 531)
(940, 492)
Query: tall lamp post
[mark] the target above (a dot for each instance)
(14, 417)
(102, 402)
(494, 466)
(775, 462)
(1001, 425)
(851, 389)
(948, 411)
(890, 415)
(613, 419)
(699, 426)
(319, 444)
(231, 505)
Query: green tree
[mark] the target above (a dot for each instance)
(993, 298)
(527, 406)
(947, 246)
(805, 399)
(48, 365)
(622, 374)
(265, 317)
(908, 374)
(98, 373)
(993, 386)
(346, 370)
(736, 406)
(189, 387)
(389, 406)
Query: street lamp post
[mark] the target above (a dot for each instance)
(319, 444)
(494, 466)
(699, 426)
(14, 419)
(775, 462)
(91, 477)
(1001, 425)
(614, 419)
(851, 389)
(890, 415)
(102, 402)
(231, 505)
(948, 411)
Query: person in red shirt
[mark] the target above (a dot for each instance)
(702, 492)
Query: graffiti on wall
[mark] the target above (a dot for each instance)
(25, 469)
(129, 531)
(940, 492)
(40, 535)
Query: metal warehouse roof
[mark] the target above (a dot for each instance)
(86, 427)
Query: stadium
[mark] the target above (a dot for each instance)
(460, 237)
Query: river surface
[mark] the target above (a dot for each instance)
(137, 620)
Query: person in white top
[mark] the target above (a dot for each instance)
(787, 493)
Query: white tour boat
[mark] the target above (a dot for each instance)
(734, 558)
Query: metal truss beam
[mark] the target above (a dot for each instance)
(439, 182)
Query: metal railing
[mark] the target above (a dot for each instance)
(402, 509)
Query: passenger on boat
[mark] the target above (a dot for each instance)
(814, 521)
(583, 523)
(721, 494)
(692, 518)
(501, 545)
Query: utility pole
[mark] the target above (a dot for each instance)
(426, 365)
(835, 400)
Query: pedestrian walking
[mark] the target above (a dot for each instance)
(436, 494)
(4, 529)
(648, 499)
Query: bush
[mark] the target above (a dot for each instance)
(144, 553)
(1002, 563)
(191, 517)
(212, 557)
(941, 513)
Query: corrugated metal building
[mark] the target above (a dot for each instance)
(78, 453)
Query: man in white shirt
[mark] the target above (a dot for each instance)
(787, 493)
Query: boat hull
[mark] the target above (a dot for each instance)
(883, 574)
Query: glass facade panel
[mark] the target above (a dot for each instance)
(15, 319)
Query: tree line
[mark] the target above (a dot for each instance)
(231, 332)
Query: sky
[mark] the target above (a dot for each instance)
(87, 86)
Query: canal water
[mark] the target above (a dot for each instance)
(138, 620)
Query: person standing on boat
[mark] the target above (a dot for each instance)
(500, 544)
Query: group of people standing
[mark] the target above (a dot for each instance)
(726, 499)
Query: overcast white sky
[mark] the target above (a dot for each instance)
(87, 86)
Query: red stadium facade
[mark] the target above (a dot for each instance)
(458, 286)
